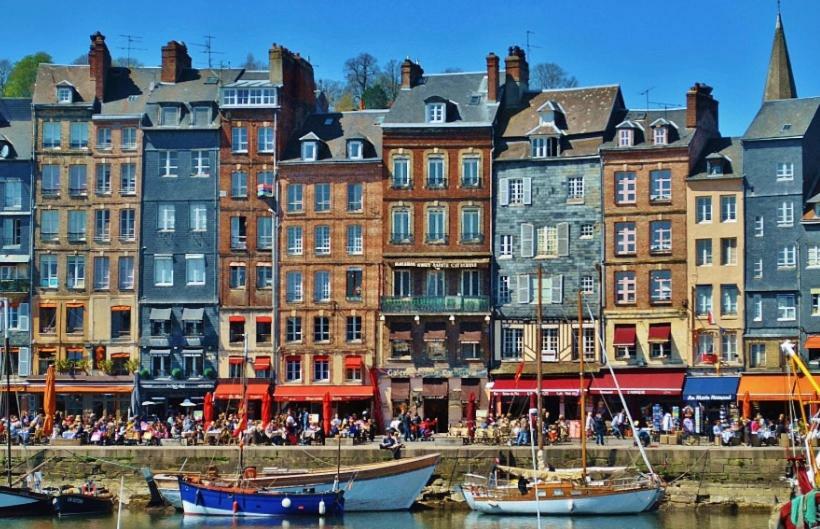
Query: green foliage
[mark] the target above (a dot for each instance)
(62, 365)
(106, 366)
(375, 96)
(133, 366)
(209, 372)
(144, 373)
(344, 103)
(176, 373)
(23, 74)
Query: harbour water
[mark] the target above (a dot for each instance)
(406, 520)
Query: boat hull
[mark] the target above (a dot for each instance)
(82, 504)
(23, 502)
(615, 502)
(216, 501)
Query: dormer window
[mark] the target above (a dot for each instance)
(626, 137)
(661, 135)
(714, 167)
(64, 95)
(436, 112)
(201, 116)
(168, 116)
(355, 150)
(544, 147)
(309, 151)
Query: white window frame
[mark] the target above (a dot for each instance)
(199, 217)
(757, 307)
(575, 188)
(660, 286)
(435, 112)
(703, 252)
(506, 247)
(729, 304)
(787, 257)
(626, 238)
(786, 307)
(703, 300)
(758, 226)
(308, 151)
(626, 137)
(703, 210)
(166, 218)
(625, 287)
(660, 185)
(64, 95)
(239, 139)
(728, 208)
(163, 275)
(660, 236)
(626, 187)
(757, 270)
(785, 214)
(661, 135)
(813, 256)
(200, 163)
(785, 171)
(355, 150)
(295, 240)
(728, 251)
(195, 269)
(168, 164)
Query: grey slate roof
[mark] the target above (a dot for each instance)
(730, 149)
(15, 126)
(773, 115)
(127, 91)
(194, 86)
(334, 129)
(679, 135)
(457, 88)
(50, 75)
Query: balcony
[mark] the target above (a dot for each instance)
(472, 238)
(14, 285)
(78, 191)
(239, 242)
(50, 192)
(436, 304)
(401, 238)
(264, 242)
(435, 238)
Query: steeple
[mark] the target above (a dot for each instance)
(779, 78)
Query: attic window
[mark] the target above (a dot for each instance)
(328, 121)
(787, 126)
(354, 150)
(435, 112)
(202, 116)
(661, 136)
(475, 99)
(309, 151)
(714, 167)
(544, 147)
(168, 117)
(64, 94)
(626, 137)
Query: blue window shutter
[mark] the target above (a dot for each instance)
(527, 190)
(24, 362)
(504, 191)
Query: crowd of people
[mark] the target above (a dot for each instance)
(411, 427)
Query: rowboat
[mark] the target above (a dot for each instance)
(76, 504)
(20, 501)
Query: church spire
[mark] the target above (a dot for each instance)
(779, 78)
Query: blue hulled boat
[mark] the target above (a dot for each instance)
(216, 500)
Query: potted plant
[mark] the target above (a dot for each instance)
(133, 366)
(209, 372)
(176, 373)
(82, 366)
(62, 365)
(106, 366)
(144, 373)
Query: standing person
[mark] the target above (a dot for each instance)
(600, 427)
(666, 423)
(588, 425)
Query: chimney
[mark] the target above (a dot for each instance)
(99, 61)
(276, 55)
(701, 107)
(517, 76)
(492, 77)
(175, 59)
(411, 73)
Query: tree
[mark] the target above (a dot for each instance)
(82, 59)
(5, 68)
(332, 89)
(390, 79)
(345, 103)
(550, 75)
(375, 97)
(251, 63)
(128, 62)
(20, 82)
(361, 71)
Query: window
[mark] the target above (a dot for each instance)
(102, 225)
(549, 343)
(103, 138)
(355, 240)
(470, 283)
(249, 97)
(758, 226)
(587, 231)
(661, 283)
(757, 355)
(168, 116)
(50, 181)
(469, 172)
(18, 321)
(75, 274)
(703, 210)
(321, 329)
(785, 214)
(703, 252)
(293, 329)
(728, 251)
(264, 184)
(201, 116)
(354, 374)
(128, 138)
(264, 139)
(74, 319)
(402, 286)
(239, 184)
(757, 307)
(193, 363)
(195, 269)
(786, 307)
(77, 180)
(471, 231)
(64, 94)
(512, 343)
(78, 135)
(353, 284)
(706, 344)
(661, 233)
(168, 164)
(728, 300)
(263, 330)
(520, 191)
(128, 179)
(128, 224)
(294, 192)
(264, 233)
(435, 172)
(355, 197)
(48, 271)
(506, 247)
(264, 276)
(757, 270)
(400, 232)
(625, 287)
(236, 331)
(660, 185)
(238, 276)
(813, 257)
(166, 217)
(354, 150)
(435, 112)
(321, 286)
(504, 290)
(200, 164)
(625, 137)
(547, 242)
(294, 239)
(199, 217)
(714, 167)
(321, 197)
(815, 304)
(625, 238)
(401, 172)
(126, 273)
(76, 226)
(728, 208)
(239, 139)
(575, 188)
(51, 135)
(587, 284)
(435, 283)
(660, 135)
(354, 329)
(49, 225)
(527, 240)
(703, 300)
(48, 320)
(293, 293)
(102, 278)
(625, 188)
(321, 236)
(239, 233)
(12, 232)
(309, 151)
(785, 171)
(321, 369)
(163, 271)
(787, 257)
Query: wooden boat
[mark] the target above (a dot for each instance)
(201, 497)
(78, 504)
(20, 501)
(364, 485)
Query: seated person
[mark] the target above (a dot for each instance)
(389, 442)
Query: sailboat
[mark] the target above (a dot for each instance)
(583, 491)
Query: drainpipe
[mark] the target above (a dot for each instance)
(274, 253)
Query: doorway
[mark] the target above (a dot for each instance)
(437, 409)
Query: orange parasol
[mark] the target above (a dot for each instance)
(50, 401)
(747, 406)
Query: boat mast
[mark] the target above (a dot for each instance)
(7, 367)
(243, 419)
(582, 396)
(539, 345)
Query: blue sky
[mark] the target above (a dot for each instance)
(664, 45)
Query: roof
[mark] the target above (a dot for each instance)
(586, 115)
(779, 76)
(15, 126)
(783, 118)
(127, 90)
(730, 150)
(679, 134)
(334, 129)
(50, 75)
(194, 86)
(466, 92)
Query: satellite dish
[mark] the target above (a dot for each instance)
(5, 150)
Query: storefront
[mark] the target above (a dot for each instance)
(228, 399)
(711, 398)
(168, 395)
(643, 390)
(77, 395)
(559, 396)
(770, 394)
(345, 400)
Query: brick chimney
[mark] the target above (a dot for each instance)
(175, 59)
(99, 61)
(517, 76)
(411, 73)
(492, 77)
(701, 107)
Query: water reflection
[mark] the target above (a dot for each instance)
(639, 521)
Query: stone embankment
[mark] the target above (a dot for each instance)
(705, 477)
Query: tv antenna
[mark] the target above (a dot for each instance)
(645, 93)
(528, 43)
(208, 48)
(129, 47)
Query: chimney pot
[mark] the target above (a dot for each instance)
(99, 61)
(411, 73)
(492, 77)
(175, 59)
(699, 104)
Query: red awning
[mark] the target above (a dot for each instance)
(263, 319)
(120, 355)
(624, 336)
(316, 393)
(261, 363)
(235, 360)
(353, 362)
(401, 335)
(120, 308)
(236, 319)
(435, 335)
(813, 342)
(646, 383)
(256, 391)
(470, 336)
(568, 386)
(660, 332)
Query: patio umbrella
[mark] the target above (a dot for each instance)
(136, 398)
(266, 405)
(532, 400)
(149, 403)
(747, 406)
(471, 414)
(50, 401)
(187, 404)
(326, 413)
(208, 409)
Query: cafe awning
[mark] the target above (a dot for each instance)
(192, 314)
(353, 362)
(261, 363)
(775, 388)
(434, 388)
(813, 342)
(315, 393)
(236, 360)
(400, 389)
(236, 319)
(624, 336)
(710, 388)
(256, 391)
(566, 386)
(645, 383)
(264, 319)
(660, 332)
(160, 314)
